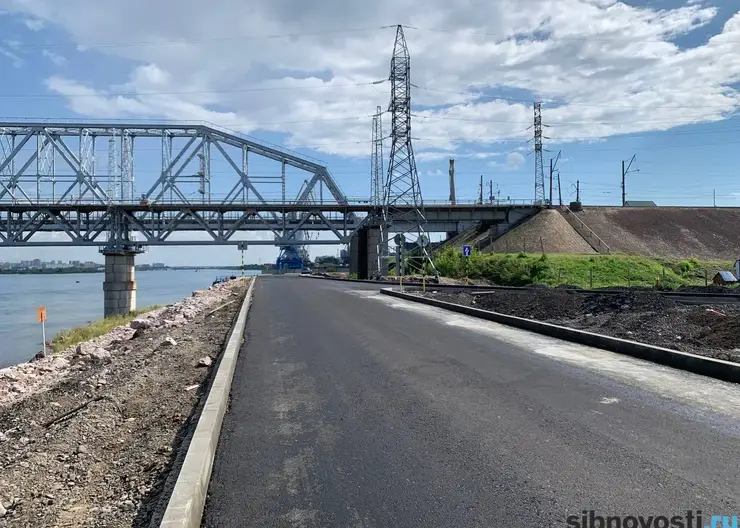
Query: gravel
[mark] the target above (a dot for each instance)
(94, 443)
(648, 317)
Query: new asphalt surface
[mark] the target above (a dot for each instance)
(352, 410)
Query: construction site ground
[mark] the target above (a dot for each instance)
(89, 438)
(637, 315)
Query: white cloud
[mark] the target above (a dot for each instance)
(602, 67)
(14, 59)
(53, 57)
(34, 24)
(514, 160)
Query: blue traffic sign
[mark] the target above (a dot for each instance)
(466, 251)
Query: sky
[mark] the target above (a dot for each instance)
(656, 79)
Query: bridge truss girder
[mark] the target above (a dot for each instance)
(34, 178)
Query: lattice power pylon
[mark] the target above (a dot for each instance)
(402, 184)
(539, 170)
(376, 160)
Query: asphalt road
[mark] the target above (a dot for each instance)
(351, 409)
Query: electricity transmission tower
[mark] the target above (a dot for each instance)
(376, 160)
(539, 171)
(402, 199)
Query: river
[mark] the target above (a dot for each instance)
(77, 298)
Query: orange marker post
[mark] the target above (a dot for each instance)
(41, 318)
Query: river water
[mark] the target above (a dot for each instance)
(77, 298)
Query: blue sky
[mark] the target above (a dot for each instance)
(658, 80)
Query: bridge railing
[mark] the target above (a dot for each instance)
(219, 199)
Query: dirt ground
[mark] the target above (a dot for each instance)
(671, 232)
(547, 231)
(107, 463)
(648, 317)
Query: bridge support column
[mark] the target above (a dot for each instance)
(119, 288)
(363, 253)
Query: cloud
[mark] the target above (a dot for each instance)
(514, 160)
(53, 57)
(602, 68)
(14, 59)
(34, 24)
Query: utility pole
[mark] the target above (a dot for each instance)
(402, 201)
(625, 172)
(553, 166)
(452, 181)
(578, 190)
(539, 173)
(480, 191)
(560, 193)
(714, 197)
(376, 160)
(490, 191)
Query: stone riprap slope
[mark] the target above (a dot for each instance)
(89, 438)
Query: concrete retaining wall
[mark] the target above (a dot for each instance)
(715, 368)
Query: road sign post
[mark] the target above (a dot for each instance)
(466, 251)
(242, 247)
(41, 318)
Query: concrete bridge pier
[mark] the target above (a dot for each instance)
(363, 253)
(119, 287)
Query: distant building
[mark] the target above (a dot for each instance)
(723, 278)
(638, 203)
(158, 265)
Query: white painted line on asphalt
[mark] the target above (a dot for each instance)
(712, 394)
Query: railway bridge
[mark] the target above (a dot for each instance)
(123, 187)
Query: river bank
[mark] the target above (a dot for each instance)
(88, 436)
(73, 300)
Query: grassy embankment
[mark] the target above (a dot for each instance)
(74, 336)
(595, 271)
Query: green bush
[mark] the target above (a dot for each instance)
(578, 270)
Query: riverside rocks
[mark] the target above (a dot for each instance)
(92, 443)
(43, 373)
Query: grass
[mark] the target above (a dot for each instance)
(595, 271)
(74, 336)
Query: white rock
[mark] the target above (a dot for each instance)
(205, 362)
(17, 387)
(84, 349)
(3, 511)
(99, 355)
(59, 362)
(168, 341)
(141, 323)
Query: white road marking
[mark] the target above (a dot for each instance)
(609, 401)
(709, 393)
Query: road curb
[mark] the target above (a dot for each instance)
(188, 499)
(715, 368)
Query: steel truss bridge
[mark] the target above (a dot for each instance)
(156, 180)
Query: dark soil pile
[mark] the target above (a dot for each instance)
(562, 302)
